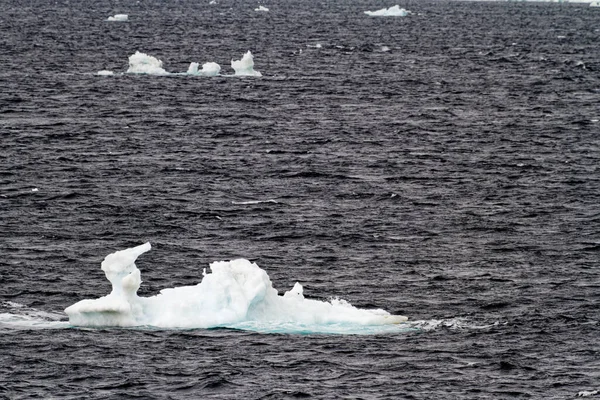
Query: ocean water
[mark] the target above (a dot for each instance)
(443, 166)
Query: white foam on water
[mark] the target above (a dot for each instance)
(245, 66)
(119, 18)
(141, 63)
(261, 8)
(105, 73)
(587, 393)
(236, 294)
(22, 317)
(394, 11)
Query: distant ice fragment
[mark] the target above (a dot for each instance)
(212, 2)
(587, 393)
(193, 68)
(245, 66)
(595, 4)
(141, 63)
(119, 17)
(261, 8)
(394, 11)
(208, 69)
(105, 73)
(35, 189)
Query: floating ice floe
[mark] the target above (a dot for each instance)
(261, 8)
(141, 63)
(105, 72)
(587, 393)
(236, 294)
(245, 66)
(119, 17)
(394, 11)
(208, 69)
(595, 4)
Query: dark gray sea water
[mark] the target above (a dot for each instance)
(442, 166)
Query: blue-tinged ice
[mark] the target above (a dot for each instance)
(236, 294)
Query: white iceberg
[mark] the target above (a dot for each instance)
(141, 63)
(236, 294)
(595, 4)
(261, 8)
(394, 11)
(245, 66)
(208, 69)
(119, 17)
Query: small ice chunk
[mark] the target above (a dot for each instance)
(261, 8)
(193, 68)
(595, 4)
(212, 2)
(119, 17)
(105, 72)
(35, 189)
(208, 69)
(394, 11)
(141, 63)
(245, 66)
(586, 393)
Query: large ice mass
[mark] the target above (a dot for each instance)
(394, 11)
(119, 17)
(236, 294)
(245, 66)
(141, 63)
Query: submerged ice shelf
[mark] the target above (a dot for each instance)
(236, 294)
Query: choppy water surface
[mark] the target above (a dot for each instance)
(442, 166)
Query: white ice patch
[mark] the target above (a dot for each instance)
(587, 393)
(595, 4)
(394, 11)
(245, 66)
(208, 69)
(119, 17)
(236, 294)
(105, 73)
(261, 8)
(141, 63)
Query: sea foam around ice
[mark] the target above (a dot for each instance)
(394, 11)
(236, 294)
